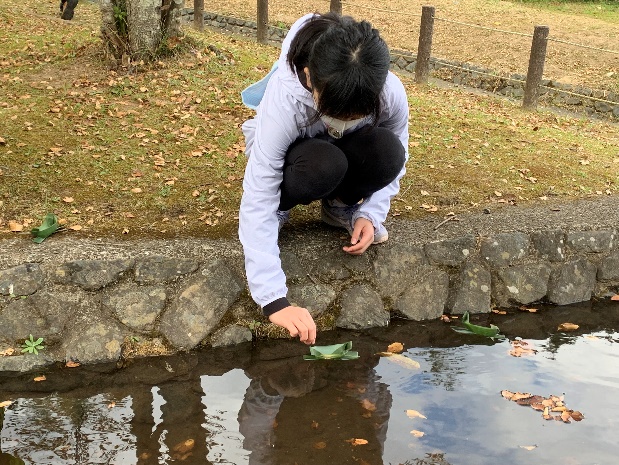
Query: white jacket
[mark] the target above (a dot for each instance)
(282, 118)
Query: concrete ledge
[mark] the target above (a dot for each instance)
(92, 300)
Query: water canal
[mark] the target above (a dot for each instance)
(263, 404)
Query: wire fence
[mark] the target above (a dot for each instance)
(540, 40)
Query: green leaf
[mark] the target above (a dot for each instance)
(332, 352)
(48, 227)
(469, 328)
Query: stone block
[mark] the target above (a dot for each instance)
(21, 280)
(361, 308)
(471, 291)
(590, 241)
(521, 284)
(504, 249)
(136, 307)
(425, 299)
(231, 335)
(91, 274)
(550, 244)
(316, 298)
(608, 268)
(152, 270)
(571, 282)
(452, 252)
(394, 268)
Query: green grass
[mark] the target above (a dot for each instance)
(158, 151)
(605, 10)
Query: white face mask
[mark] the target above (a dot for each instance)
(336, 127)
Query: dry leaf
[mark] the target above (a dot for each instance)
(507, 394)
(367, 405)
(357, 442)
(320, 445)
(68, 199)
(615, 297)
(527, 309)
(417, 434)
(567, 327)
(401, 360)
(395, 348)
(314, 424)
(40, 378)
(184, 446)
(111, 405)
(445, 318)
(6, 403)
(576, 415)
(415, 414)
(499, 312)
(136, 190)
(75, 227)
(528, 447)
(72, 364)
(14, 226)
(7, 352)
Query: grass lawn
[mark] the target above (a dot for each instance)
(157, 151)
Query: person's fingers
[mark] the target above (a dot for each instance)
(365, 240)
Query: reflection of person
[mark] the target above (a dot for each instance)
(332, 125)
(347, 401)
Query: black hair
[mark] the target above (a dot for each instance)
(348, 63)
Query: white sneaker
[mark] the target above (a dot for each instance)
(338, 214)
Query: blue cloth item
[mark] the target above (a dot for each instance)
(252, 95)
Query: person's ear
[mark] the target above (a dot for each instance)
(307, 77)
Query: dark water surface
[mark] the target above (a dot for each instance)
(265, 405)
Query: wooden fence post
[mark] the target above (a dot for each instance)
(424, 50)
(536, 67)
(262, 24)
(336, 6)
(198, 14)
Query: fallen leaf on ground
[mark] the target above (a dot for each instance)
(417, 433)
(7, 352)
(567, 327)
(67, 199)
(14, 226)
(415, 414)
(395, 348)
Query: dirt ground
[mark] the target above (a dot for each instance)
(503, 52)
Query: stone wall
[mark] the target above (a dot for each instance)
(590, 102)
(91, 310)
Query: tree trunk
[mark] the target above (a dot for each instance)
(143, 25)
(134, 30)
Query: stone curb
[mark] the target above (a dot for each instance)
(92, 299)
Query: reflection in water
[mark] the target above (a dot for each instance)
(267, 406)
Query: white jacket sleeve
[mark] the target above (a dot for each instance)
(275, 129)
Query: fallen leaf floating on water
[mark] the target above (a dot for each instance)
(6, 403)
(615, 297)
(567, 327)
(320, 445)
(40, 378)
(519, 348)
(401, 360)
(357, 442)
(547, 405)
(415, 414)
(367, 405)
(528, 309)
(528, 447)
(417, 434)
(72, 364)
(395, 348)
(445, 318)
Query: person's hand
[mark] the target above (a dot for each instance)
(297, 321)
(362, 237)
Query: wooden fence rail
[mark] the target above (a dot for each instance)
(537, 56)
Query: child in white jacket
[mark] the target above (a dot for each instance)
(332, 125)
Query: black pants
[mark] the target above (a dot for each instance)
(351, 168)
